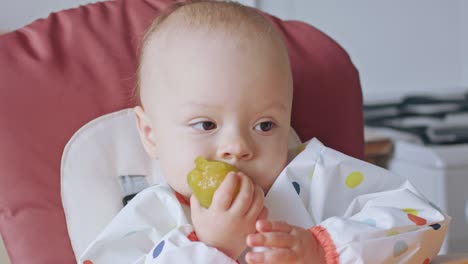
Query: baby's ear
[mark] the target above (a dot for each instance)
(146, 131)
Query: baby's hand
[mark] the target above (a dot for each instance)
(285, 244)
(227, 222)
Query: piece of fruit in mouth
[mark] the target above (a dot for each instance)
(206, 177)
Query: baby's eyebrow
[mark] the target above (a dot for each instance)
(200, 105)
(276, 105)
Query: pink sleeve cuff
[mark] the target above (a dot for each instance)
(325, 240)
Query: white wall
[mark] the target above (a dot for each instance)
(17, 13)
(464, 39)
(398, 46)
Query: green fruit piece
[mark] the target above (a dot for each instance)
(206, 177)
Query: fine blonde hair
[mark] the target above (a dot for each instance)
(209, 15)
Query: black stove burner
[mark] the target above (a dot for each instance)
(436, 120)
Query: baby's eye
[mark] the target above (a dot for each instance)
(265, 126)
(204, 125)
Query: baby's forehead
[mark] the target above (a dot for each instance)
(193, 27)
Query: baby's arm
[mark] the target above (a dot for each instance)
(364, 214)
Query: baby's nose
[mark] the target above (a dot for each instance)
(235, 149)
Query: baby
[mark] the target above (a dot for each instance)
(215, 81)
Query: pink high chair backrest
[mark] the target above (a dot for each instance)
(59, 73)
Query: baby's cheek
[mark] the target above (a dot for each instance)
(176, 177)
(180, 185)
(275, 170)
(268, 183)
(266, 177)
(185, 190)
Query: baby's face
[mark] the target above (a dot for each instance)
(218, 99)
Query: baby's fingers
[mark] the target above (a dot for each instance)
(272, 256)
(273, 226)
(245, 196)
(257, 203)
(222, 198)
(271, 240)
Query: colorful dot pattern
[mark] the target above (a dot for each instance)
(354, 179)
(297, 187)
(410, 211)
(417, 220)
(158, 249)
(399, 248)
(370, 222)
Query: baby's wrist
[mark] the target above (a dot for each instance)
(230, 252)
(323, 245)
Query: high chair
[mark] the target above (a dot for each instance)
(59, 73)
